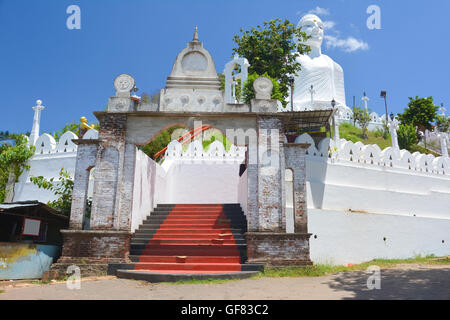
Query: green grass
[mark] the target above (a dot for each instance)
(323, 270)
(1, 291)
(354, 134)
(320, 270)
(421, 149)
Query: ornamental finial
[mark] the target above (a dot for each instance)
(195, 35)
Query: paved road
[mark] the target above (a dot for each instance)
(403, 282)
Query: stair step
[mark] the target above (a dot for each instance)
(156, 236)
(186, 241)
(188, 266)
(186, 259)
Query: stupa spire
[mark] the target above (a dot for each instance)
(195, 35)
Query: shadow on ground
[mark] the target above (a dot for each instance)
(396, 284)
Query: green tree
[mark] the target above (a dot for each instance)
(357, 114)
(160, 142)
(249, 93)
(442, 123)
(421, 112)
(13, 161)
(362, 117)
(62, 188)
(273, 49)
(407, 136)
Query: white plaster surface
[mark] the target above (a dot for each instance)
(143, 189)
(350, 238)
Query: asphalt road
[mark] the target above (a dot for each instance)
(403, 282)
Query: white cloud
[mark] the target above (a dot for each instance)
(320, 11)
(328, 25)
(348, 45)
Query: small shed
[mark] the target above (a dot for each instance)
(30, 239)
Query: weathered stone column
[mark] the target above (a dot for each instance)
(296, 161)
(86, 157)
(110, 151)
(270, 174)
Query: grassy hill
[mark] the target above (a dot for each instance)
(354, 134)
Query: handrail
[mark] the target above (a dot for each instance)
(190, 135)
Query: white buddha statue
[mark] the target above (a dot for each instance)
(319, 71)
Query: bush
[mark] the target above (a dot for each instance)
(407, 136)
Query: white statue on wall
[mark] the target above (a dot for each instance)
(393, 127)
(318, 70)
(231, 78)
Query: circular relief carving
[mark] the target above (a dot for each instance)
(124, 83)
(201, 100)
(263, 88)
(217, 100)
(167, 100)
(184, 99)
(194, 61)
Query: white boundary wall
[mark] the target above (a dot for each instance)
(50, 157)
(341, 238)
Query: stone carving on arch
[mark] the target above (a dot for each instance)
(324, 146)
(441, 166)
(194, 151)
(91, 134)
(370, 154)
(407, 160)
(312, 150)
(350, 152)
(216, 151)
(174, 150)
(65, 143)
(389, 158)
(45, 144)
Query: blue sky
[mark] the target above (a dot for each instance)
(72, 71)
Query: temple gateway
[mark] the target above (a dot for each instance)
(136, 229)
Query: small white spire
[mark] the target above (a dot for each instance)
(195, 35)
(36, 122)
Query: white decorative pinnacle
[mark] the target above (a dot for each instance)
(365, 99)
(36, 122)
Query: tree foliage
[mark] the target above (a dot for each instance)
(273, 49)
(442, 123)
(13, 159)
(407, 136)
(62, 188)
(362, 117)
(159, 142)
(421, 112)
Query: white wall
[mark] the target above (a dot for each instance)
(201, 182)
(351, 238)
(364, 178)
(243, 191)
(143, 189)
(50, 157)
(47, 166)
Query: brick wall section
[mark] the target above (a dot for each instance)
(271, 163)
(122, 217)
(86, 157)
(278, 249)
(296, 160)
(95, 244)
(113, 187)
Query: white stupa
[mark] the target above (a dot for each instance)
(319, 71)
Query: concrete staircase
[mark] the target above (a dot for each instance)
(189, 241)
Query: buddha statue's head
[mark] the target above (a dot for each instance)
(312, 25)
